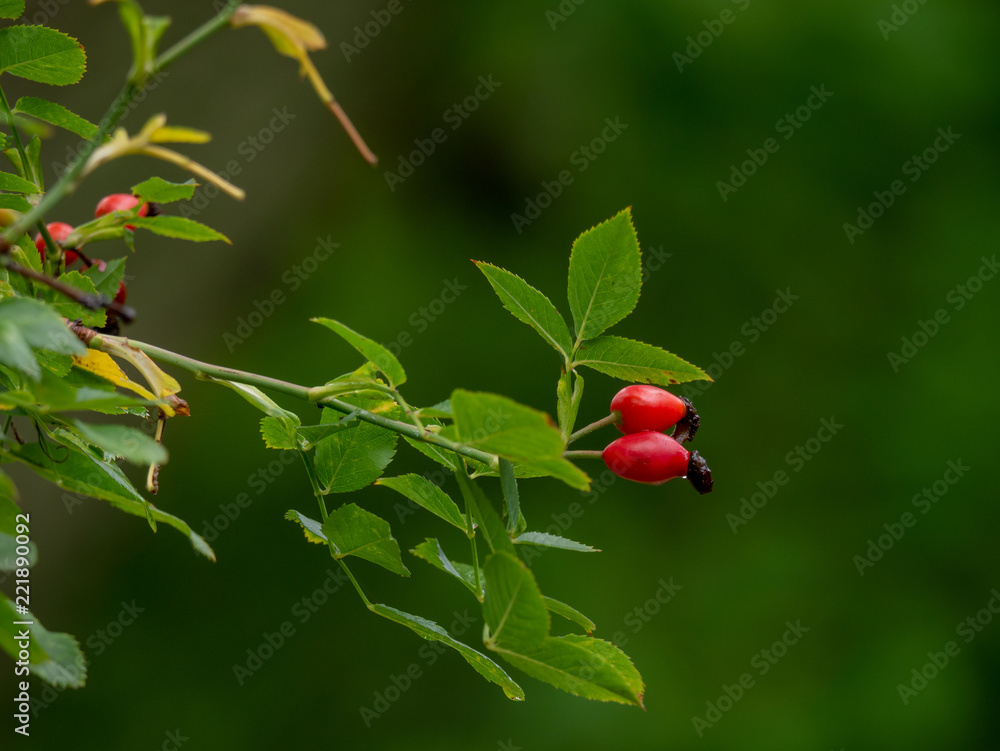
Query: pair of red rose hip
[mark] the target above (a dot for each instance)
(60, 231)
(646, 453)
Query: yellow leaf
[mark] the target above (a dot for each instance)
(101, 364)
(175, 134)
(289, 34)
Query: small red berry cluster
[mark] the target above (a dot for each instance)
(646, 453)
(60, 231)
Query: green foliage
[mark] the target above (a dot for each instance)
(178, 228)
(55, 114)
(605, 274)
(378, 355)
(49, 380)
(41, 54)
(351, 530)
(158, 190)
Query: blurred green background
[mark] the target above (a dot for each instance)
(717, 266)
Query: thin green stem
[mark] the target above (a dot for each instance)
(611, 419)
(196, 37)
(471, 534)
(318, 492)
(29, 173)
(314, 482)
(583, 454)
(357, 587)
(304, 392)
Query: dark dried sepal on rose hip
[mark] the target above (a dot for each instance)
(698, 474)
(688, 425)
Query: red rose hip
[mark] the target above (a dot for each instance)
(120, 202)
(642, 407)
(654, 458)
(59, 231)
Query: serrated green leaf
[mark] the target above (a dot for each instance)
(106, 282)
(353, 459)
(16, 184)
(15, 352)
(158, 190)
(72, 310)
(430, 550)
(121, 440)
(441, 410)
(582, 666)
(637, 362)
(54, 657)
(55, 114)
(383, 359)
(351, 530)
(529, 306)
(178, 228)
(545, 540)
(523, 435)
(82, 472)
(277, 434)
(11, 8)
(425, 493)
(570, 614)
(605, 275)
(569, 394)
(41, 54)
(515, 613)
(313, 529)
(433, 632)
(17, 203)
(257, 398)
(40, 326)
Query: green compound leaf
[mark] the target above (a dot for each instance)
(15, 352)
(517, 616)
(513, 431)
(485, 515)
(637, 362)
(16, 184)
(353, 459)
(54, 657)
(55, 114)
(382, 358)
(15, 202)
(514, 610)
(605, 275)
(529, 306)
(570, 614)
(430, 550)
(545, 540)
(158, 190)
(425, 493)
(128, 443)
(83, 473)
(433, 632)
(353, 531)
(313, 529)
(41, 54)
(582, 666)
(178, 228)
(73, 310)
